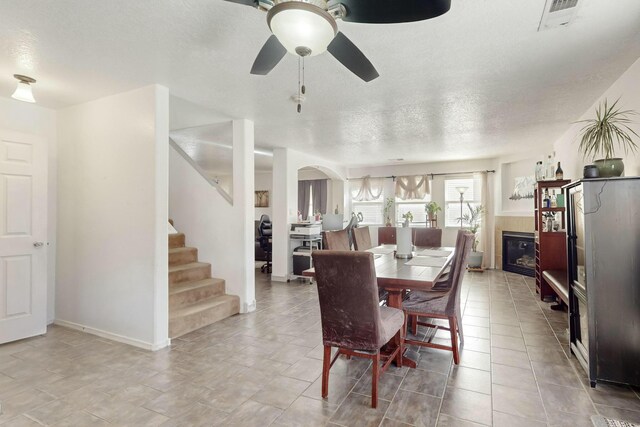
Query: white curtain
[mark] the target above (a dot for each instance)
(485, 229)
(366, 189)
(412, 187)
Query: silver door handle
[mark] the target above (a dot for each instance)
(38, 244)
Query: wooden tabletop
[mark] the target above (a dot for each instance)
(395, 274)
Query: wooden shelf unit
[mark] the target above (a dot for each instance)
(550, 246)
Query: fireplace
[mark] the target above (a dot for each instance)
(518, 253)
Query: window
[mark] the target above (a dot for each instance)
(367, 198)
(452, 199)
(416, 207)
(371, 211)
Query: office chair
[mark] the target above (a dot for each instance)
(264, 230)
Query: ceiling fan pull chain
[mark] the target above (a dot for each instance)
(299, 108)
(304, 89)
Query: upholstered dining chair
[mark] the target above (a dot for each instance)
(386, 235)
(361, 239)
(352, 320)
(427, 237)
(337, 240)
(443, 304)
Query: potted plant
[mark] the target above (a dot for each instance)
(388, 206)
(473, 221)
(601, 135)
(432, 209)
(408, 217)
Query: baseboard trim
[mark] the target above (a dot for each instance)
(279, 278)
(248, 307)
(113, 337)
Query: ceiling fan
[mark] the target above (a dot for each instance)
(308, 27)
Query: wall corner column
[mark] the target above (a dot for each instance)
(243, 200)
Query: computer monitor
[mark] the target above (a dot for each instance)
(332, 222)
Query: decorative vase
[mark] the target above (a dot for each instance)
(474, 260)
(610, 167)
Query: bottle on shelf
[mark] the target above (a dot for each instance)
(546, 202)
(539, 171)
(554, 203)
(549, 170)
(559, 172)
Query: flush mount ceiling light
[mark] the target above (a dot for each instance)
(23, 91)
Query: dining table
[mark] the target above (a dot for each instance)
(399, 275)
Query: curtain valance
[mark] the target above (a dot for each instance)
(414, 187)
(366, 188)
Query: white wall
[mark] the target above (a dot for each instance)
(32, 119)
(627, 89)
(112, 264)
(264, 182)
(223, 233)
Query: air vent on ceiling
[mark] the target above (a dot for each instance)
(557, 5)
(558, 13)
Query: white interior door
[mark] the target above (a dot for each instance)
(23, 230)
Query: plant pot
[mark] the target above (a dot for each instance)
(474, 260)
(610, 167)
(431, 216)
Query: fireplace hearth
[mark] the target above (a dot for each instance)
(518, 253)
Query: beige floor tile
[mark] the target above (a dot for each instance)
(265, 366)
(252, 414)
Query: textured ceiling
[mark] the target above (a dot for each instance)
(477, 82)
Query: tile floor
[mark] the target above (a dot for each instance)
(263, 368)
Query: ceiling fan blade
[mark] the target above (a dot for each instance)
(351, 57)
(270, 54)
(252, 3)
(395, 11)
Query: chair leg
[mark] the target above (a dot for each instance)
(454, 339)
(326, 366)
(403, 335)
(414, 325)
(459, 324)
(375, 374)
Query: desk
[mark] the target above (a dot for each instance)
(313, 242)
(395, 277)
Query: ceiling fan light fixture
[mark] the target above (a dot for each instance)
(23, 91)
(302, 27)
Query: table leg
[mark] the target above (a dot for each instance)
(394, 300)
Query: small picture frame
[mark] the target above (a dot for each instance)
(262, 199)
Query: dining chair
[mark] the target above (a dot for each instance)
(361, 239)
(351, 318)
(443, 304)
(427, 237)
(337, 240)
(386, 235)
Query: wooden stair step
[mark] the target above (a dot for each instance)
(176, 240)
(184, 293)
(182, 255)
(205, 312)
(189, 272)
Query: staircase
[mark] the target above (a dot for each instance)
(195, 298)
